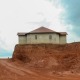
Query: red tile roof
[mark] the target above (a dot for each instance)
(43, 30)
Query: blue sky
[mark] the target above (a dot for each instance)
(26, 15)
(72, 14)
(5, 53)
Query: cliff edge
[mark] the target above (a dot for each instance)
(50, 57)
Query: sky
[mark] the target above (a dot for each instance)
(26, 15)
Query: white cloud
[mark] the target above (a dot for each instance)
(25, 15)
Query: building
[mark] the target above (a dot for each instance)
(42, 35)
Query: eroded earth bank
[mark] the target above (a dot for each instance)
(42, 62)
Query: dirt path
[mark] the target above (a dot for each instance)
(16, 69)
(21, 73)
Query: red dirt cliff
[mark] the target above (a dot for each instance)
(52, 57)
(42, 62)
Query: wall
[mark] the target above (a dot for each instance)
(42, 38)
(22, 39)
(63, 39)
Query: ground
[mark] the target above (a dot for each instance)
(42, 62)
(15, 71)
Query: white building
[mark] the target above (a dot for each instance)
(42, 35)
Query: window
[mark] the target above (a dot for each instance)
(50, 36)
(35, 36)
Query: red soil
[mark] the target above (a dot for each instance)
(42, 62)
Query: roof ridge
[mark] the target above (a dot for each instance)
(41, 29)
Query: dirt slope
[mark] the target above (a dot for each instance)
(50, 57)
(42, 62)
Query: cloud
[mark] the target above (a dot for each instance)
(72, 14)
(26, 15)
(70, 17)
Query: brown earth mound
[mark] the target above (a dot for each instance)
(50, 57)
(42, 62)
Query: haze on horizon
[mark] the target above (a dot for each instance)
(26, 15)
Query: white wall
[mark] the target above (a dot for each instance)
(42, 38)
(22, 39)
(63, 39)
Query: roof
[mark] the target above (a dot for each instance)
(42, 30)
(21, 34)
(63, 33)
